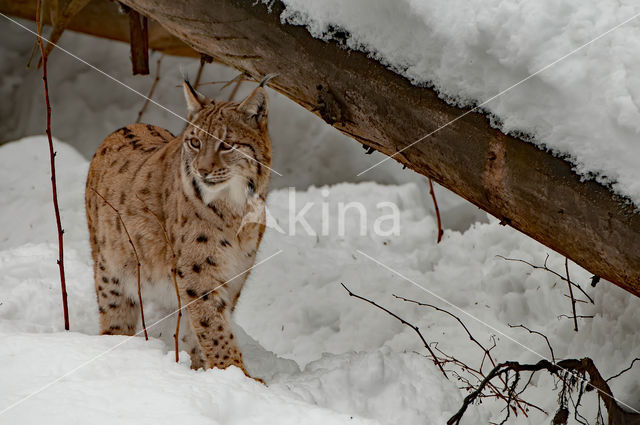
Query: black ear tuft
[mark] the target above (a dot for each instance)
(266, 79)
(195, 101)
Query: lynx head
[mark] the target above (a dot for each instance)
(226, 148)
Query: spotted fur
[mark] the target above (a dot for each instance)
(198, 186)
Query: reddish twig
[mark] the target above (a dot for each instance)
(52, 154)
(404, 322)
(573, 300)
(176, 336)
(135, 252)
(153, 88)
(435, 206)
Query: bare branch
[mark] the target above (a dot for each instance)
(135, 252)
(564, 369)
(404, 322)
(471, 337)
(553, 357)
(498, 370)
(226, 82)
(196, 83)
(579, 316)
(637, 359)
(153, 88)
(435, 206)
(52, 154)
(573, 300)
(511, 396)
(238, 80)
(550, 271)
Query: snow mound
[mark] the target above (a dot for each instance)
(135, 384)
(328, 358)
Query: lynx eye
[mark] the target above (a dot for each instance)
(195, 143)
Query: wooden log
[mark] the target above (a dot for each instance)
(103, 18)
(522, 185)
(525, 187)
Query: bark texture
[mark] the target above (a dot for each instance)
(525, 187)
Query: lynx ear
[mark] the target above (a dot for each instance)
(256, 105)
(195, 100)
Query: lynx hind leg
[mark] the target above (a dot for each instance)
(118, 313)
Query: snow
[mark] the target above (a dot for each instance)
(326, 357)
(585, 107)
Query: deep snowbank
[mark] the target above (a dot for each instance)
(586, 106)
(351, 360)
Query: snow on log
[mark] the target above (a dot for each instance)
(522, 185)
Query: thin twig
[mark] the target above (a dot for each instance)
(471, 337)
(548, 270)
(573, 300)
(226, 82)
(435, 206)
(404, 322)
(553, 357)
(135, 252)
(578, 300)
(52, 154)
(235, 89)
(637, 359)
(176, 336)
(579, 316)
(486, 351)
(236, 79)
(498, 370)
(153, 88)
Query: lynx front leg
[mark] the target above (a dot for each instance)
(213, 332)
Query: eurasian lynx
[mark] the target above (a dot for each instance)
(199, 186)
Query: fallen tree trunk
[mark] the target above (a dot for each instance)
(522, 185)
(102, 18)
